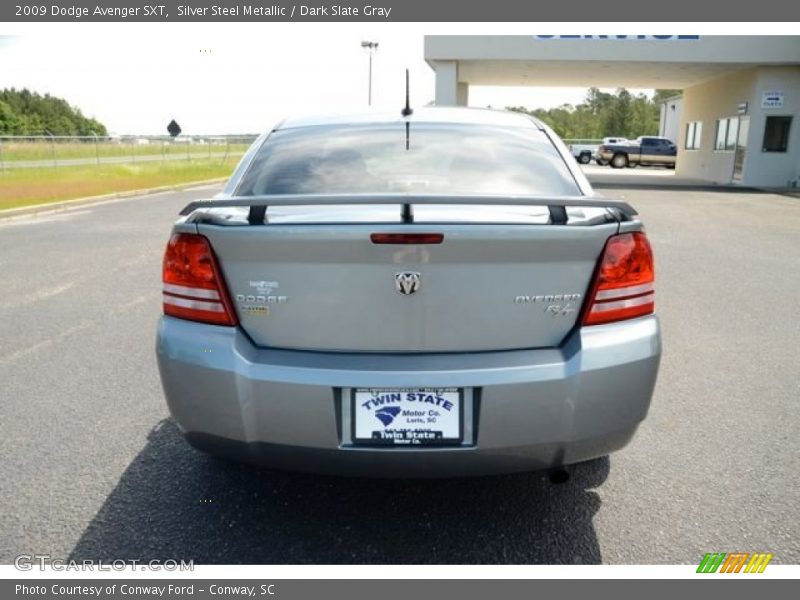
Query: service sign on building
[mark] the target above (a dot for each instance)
(772, 99)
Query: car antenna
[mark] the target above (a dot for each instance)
(407, 112)
(407, 109)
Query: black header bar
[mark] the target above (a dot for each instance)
(688, 11)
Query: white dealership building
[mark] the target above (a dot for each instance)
(739, 111)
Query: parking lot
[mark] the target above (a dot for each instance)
(92, 467)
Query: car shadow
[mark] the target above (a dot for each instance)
(173, 502)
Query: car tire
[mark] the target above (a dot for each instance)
(585, 158)
(601, 162)
(619, 161)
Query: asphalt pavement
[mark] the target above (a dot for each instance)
(92, 467)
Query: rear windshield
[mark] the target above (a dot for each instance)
(421, 157)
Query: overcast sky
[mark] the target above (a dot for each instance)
(233, 79)
(243, 77)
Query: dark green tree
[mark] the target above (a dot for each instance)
(10, 121)
(604, 114)
(23, 112)
(660, 95)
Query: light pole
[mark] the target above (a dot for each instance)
(372, 47)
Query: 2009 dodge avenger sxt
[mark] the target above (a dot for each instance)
(438, 293)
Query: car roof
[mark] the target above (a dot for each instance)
(427, 114)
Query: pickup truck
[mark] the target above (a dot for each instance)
(606, 142)
(584, 153)
(646, 150)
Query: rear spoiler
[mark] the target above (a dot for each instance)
(557, 206)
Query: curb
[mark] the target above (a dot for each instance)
(63, 205)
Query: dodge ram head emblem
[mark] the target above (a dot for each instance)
(406, 282)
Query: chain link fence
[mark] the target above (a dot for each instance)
(570, 141)
(53, 151)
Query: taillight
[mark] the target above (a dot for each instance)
(193, 285)
(406, 238)
(623, 287)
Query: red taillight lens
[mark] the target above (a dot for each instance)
(193, 285)
(407, 238)
(624, 283)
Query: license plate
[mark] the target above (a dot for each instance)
(408, 417)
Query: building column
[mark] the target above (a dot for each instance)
(449, 92)
(462, 94)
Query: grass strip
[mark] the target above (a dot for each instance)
(25, 187)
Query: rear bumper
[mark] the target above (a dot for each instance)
(526, 410)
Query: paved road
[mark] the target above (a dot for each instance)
(92, 467)
(606, 177)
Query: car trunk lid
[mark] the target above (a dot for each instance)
(496, 280)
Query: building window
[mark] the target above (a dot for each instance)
(776, 134)
(694, 130)
(727, 130)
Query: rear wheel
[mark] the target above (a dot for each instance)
(585, 158)
(619, 161)
(600, 161)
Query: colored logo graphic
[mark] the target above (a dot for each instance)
(734, 562)
(387, 414)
